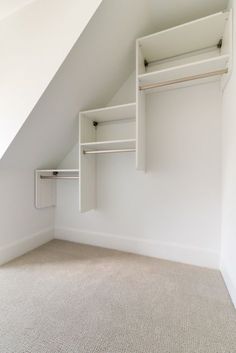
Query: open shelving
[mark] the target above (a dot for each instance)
(107, 124)
(199, 49)
(45, 184)
(196, 52)
(107, 130)
(196, 69)
(192, 53)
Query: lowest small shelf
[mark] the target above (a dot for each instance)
(45, 184)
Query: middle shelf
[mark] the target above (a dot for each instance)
(112, 124)
(114, 144)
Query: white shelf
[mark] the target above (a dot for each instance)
(118, 112)
(182, 71)
(45, 189)
(192, 36)
(58, 170)
(115, 144)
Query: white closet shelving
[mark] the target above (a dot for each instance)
(107, 130)
(192, 53)
(187, 54)
(200, 48)
(45, 184)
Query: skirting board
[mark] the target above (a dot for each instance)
(229, 284)
(147, 247)
(18, 248)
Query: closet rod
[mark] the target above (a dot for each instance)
(109, 151)
(58, 177)
(185, 79)
(212, 47)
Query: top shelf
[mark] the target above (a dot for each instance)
(192, 36)
(118, 112)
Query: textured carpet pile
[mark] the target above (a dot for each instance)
(70, 298)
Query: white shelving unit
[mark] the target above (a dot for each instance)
(45, 185)
(187, 70)
(188, 54)
(199, 49)
(192, 53)
(111, 129)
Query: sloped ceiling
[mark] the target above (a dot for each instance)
(101, 60)
(8, 7)
(34, 42)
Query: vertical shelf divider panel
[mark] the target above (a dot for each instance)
(227, 47)
(87, 185)
(140, 114)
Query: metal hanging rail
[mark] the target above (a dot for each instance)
(58, 177)
(185, 79)
(212, 47)
(109, 151)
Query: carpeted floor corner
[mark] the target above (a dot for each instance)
(71, 298)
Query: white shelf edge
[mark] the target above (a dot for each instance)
(108, 108)
(182, 25)
(174, 68)
(57, 170)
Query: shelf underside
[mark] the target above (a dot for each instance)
(105, 145)
(119, 112)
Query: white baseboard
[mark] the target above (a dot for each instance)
(229, 284)
(18, 248)
(148, 247)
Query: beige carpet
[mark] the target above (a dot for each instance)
(68, 298)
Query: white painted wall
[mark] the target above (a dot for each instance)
(22, 226)
(50, 130)
(34, 42)
(228, 260)
(174, 210)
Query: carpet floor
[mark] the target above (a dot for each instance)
(71, 298)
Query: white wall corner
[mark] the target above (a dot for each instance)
(147, 247)
(18, 248)
(230, 285)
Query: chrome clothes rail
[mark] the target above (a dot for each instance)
(212, 47)
(58, 177)
(185, 79)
